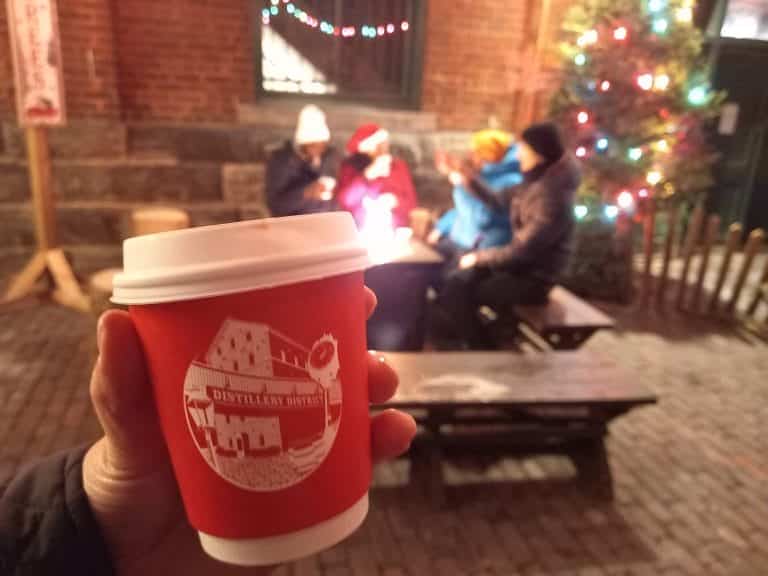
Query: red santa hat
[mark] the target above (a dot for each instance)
(366, 139)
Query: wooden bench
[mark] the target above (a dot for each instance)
(564, 323)
(475, 402)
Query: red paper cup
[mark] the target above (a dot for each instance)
(254, 334)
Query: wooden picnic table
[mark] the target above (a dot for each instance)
(497, 402)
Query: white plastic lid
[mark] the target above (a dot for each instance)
(228, 258)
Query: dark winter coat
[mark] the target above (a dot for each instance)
(288, 175)
(541, 213)
(46, 523)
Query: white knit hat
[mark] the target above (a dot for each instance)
(312, 126)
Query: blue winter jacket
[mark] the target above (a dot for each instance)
(472, 224)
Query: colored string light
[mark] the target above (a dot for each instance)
(580, 59)
(653, 177)
(605, 85)
(625, 200)
(620, 33)
(635, 154)
(581, 152)
(611, 211)
(661, 82)
(580, 211)
(645, 81)
(684, 14)
(660, 25)
(698, 96)
(602, 144)
(582, 117)
(310, 21)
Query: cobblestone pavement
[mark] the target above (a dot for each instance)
(691, 474)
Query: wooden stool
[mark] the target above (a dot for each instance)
(100, 290)
(159, 219)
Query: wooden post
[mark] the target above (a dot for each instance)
(692, 236)
(649, 225)
(49, 258)
(39, 157)
(668, 244)
(713, 227)
(753, 245)
(734, 237)
(758, 292)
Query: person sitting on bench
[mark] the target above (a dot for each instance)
(472, 224)
(524, 270)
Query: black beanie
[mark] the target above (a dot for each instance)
(545, 140)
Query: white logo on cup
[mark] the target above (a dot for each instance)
(263, 410)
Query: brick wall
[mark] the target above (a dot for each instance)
(184, 59)
(192, 60)
(90, 71)
(472, 55)
(6, 70)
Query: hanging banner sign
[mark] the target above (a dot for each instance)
(36, 52)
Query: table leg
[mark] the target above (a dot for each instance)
(591, 459)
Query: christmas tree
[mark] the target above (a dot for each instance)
(635, 102)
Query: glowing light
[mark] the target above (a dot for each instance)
(698, 96)
(274, 10)
(661, 82)
(405, 26)
(645, 81)
(635, 154)
(611, 211)
(580, 211)
(275, 2)
(581, 152)
(684, 14)
(580, 59)
(660, 25)
(653, 177)
(605, 86)
(642, 193)
(582, 117)
(602, 144)
(290, 8)
(662, 145)
(390, 28)
(378, 233)
(620, 33)
(625, 200)
(589, 37)
(656, 5)
(381, 30)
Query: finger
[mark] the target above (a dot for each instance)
(370, 302)
(382, 379)
(391, 434)
(122, 396)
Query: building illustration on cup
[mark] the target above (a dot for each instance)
(262, 409)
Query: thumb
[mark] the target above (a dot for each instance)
(123, 400)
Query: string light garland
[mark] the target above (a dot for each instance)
(339, 31)
(620, 33)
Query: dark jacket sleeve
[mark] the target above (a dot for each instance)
(46, 524)
(549, 216)
(287, 177)
(498, 201)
